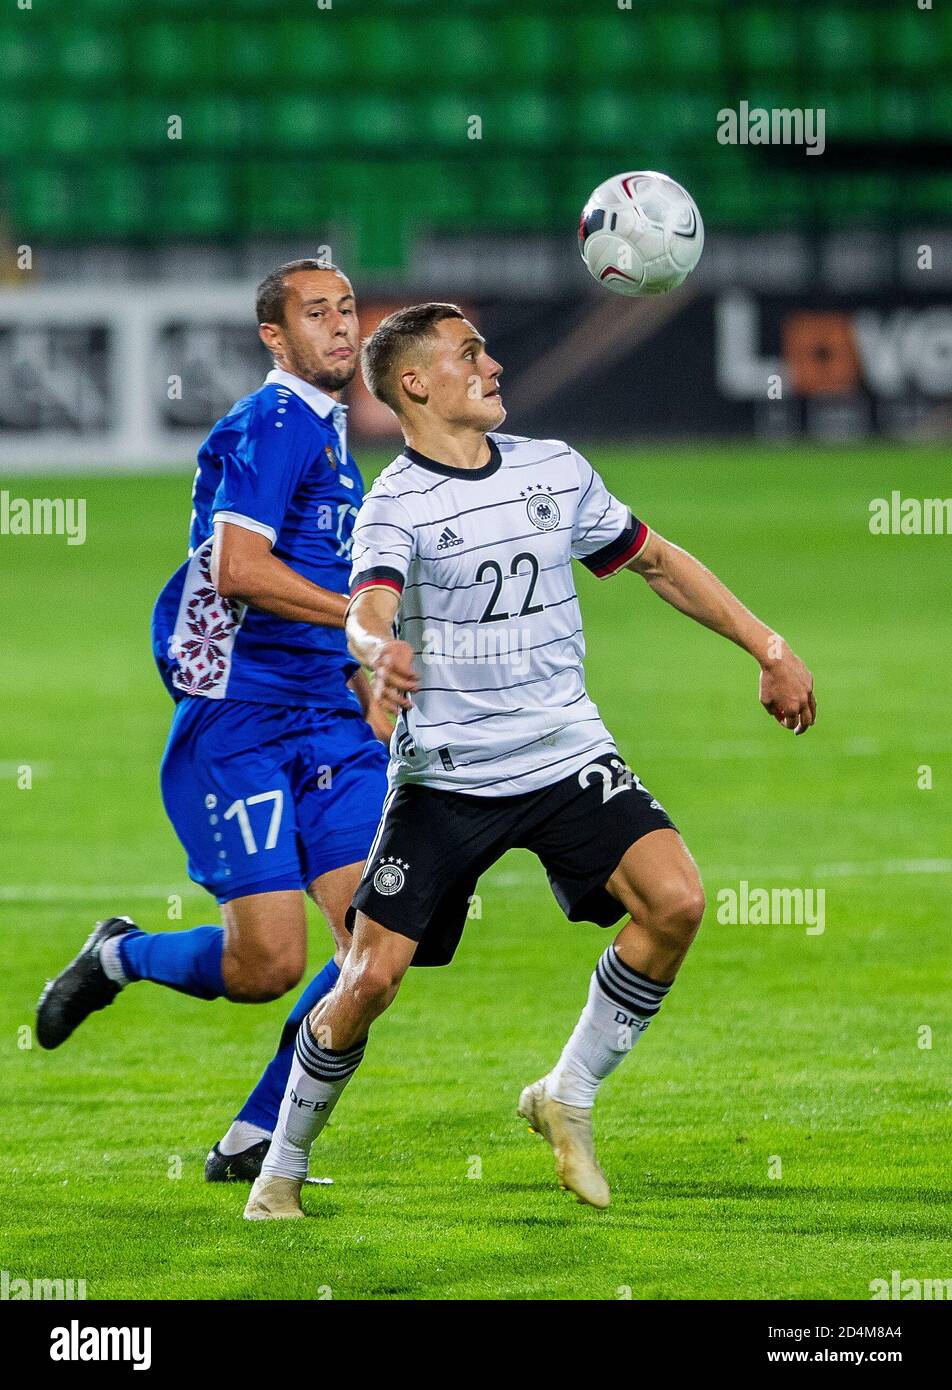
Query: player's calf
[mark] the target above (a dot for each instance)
(329, 1048)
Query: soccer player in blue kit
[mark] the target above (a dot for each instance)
(274, 771)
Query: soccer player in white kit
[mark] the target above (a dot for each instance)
(463, 605)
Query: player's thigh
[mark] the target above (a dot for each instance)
(583, 828)
(265, 942)
(424, 864)
(657, 882)
(228, 795)
(332, 892)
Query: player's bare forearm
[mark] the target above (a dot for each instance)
(244, 568)
(370, 637)
(786, 686)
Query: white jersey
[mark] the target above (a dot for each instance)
(482, 561)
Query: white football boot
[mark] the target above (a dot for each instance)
(568, 1128)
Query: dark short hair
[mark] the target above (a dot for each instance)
(271, 295)
(385, 347)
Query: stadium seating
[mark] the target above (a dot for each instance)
(298, 119)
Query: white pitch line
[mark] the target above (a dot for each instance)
(875, 868)
(89, 892)
(509, 878)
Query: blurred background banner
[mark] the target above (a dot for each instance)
(156, 162)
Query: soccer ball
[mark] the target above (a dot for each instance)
(640, 233)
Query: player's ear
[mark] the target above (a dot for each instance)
(414, 384)
(270, 334)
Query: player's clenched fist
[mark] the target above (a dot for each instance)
(786, 692)
(394, 676)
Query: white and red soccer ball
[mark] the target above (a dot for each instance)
(640, 233)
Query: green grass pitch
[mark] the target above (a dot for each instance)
(781, 1131)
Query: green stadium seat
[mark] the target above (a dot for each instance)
(850, 113)
(683, 43)
(194, 200)
(118, 202)
(937, 112)
(613, 45)
(443, 118)
(522, 119)
(928, 196)
(375, 121)
(838, 39)
(532, 47)
(385, 50)
(457, 50)
(80, 125)
(297, 121)
(244, 56)
(146, 124)
(910, 43)
(899, 112)
(173, 56)
(219, 122)
(24, 53)
(313, 51)
(765, 40)
(279, 196)
(43, 201)
(605, 119)
(448, 193)
(19, 130)
(89, 55)
(688, 116)
(518, 194)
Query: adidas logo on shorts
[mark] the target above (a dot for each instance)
(448, 539)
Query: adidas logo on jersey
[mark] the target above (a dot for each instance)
(448, 539)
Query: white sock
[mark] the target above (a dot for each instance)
(241, 1135)
(111, 961)
(621, 1003)
(318, 1076)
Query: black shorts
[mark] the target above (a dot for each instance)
(433, 846)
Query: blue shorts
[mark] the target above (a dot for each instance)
(268, 797)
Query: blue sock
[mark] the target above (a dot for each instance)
(189, 961)
(262, 1106)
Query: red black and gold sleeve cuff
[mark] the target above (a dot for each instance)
(379, 577)
(611, 558)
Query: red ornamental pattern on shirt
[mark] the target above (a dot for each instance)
(210, 623)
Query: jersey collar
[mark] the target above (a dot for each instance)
(320, 402)
(487, 470)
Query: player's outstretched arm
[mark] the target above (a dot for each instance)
(244, 568)
(370, 638)
(786, 686)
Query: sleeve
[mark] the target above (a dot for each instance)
(263, 469)
(383, 544)
(605, 536)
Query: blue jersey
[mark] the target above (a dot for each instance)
(278, 465)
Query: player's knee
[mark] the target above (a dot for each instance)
(260, 981)
(680, 913)
(375, 983)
